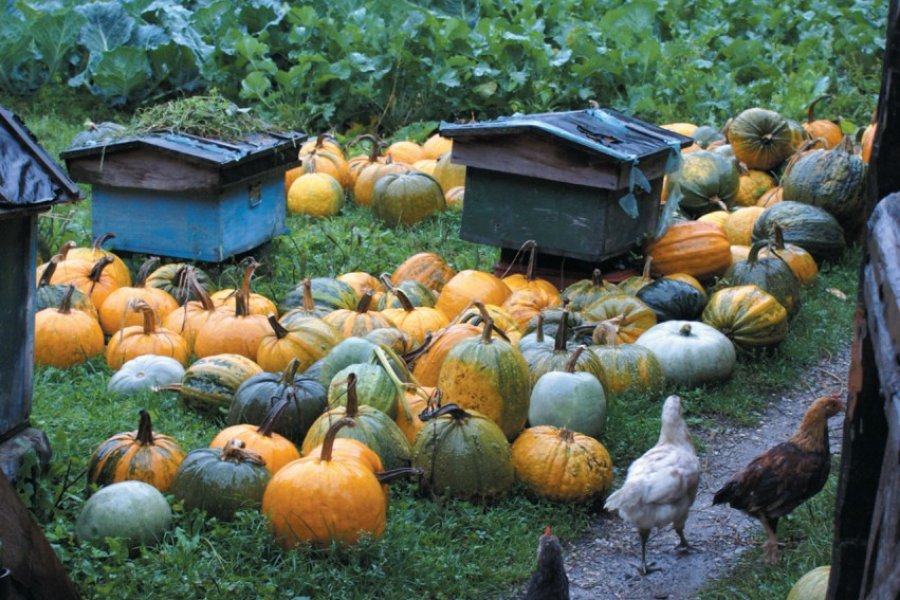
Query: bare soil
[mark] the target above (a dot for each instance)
(601, 565)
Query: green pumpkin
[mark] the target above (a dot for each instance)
(771, 275)
(306, 308)
(704, 136)
(488, 375)
(326, 293)
(748, 316)
(391, 337)
(583, 293)
(416, 293)
(812, 586)
(546, 358)
(834, 180)
(463, 454)
(173, 279)
(628, 369)
(258, 394)
(131, 510)
(760, 138)
(221, 481)
(406, 198)
(709, 181)
(691, 353)
(374, 387)
(672, 299)
(550, 318)
(373, 428)
(210, 383)
(565, 398)
(804, 225)
(352, 351)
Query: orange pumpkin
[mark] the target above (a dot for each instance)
(358, 163)
(141, 455)
(739, 225)
(364, 188)
(305, 338)
(257, 304)
(232, 333)
(415, 402)
(118, 270)
(359, 321)
(329, 163)
(528, 281)
(753, 184)
(436, 146)
(65, 336)
(468, 286)
(114, 313)
(323, 141)
(426, 268)
(799, 260)
(698, 249)
(275, 449)
(415, 321)
(822, 129)
(428, 365)
(868, 138)
(363, 282)
(773, 196)
(92, 279)
(135, 341)
(187, 319)
(405, 151)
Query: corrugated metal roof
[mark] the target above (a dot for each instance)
(602, 131)
(29, 178)
(192, 148)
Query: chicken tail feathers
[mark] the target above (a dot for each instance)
(619, 499)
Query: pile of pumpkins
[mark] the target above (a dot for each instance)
(404, 185)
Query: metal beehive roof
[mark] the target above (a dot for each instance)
(600, 131)
(29, 178)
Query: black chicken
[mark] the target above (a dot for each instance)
(780, 479)
(549, 581)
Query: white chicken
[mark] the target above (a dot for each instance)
(661, 485)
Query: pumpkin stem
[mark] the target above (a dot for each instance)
(416, 353)
(49, 270)
(235, 451)
(144, 435)
(241, 304)
(404, 300)
(268, 423)
(387, 281)
(532, 258)
(309, 165)
(97, 271)
(810, 111)
(778, 234)
(365, 302)
(100, 240)
(331, 435)
(352, 398)
(64, 249)
(309, 305)
(147, 311)
(573, 360)
(568, 436)
(197, 289)
(606, 334)
(279, 329)
(562, 332)
(597, 278)
(390, 475)
(539, 332)
(645, 275)
(488, 330)
(141, 279)
(290, 371)
(685, 330)
(754, 252)
(65, 305)
(448, 409)
(386, 365)
(251, 265)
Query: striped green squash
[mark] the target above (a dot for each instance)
(804, 225)
(210, 383)
(416, 293)
(490, 376)
(627, 368)
(543, 359)
(373, 428)
(748, 316)
(374, 387)
(327, 292)
(582, 294)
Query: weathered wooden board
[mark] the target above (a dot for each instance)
(18, 238)
(147, 169)
(196, 226)
(575, 221)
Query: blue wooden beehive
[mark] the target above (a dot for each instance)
(30, 183)
(181, 195)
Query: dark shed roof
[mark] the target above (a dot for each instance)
(29, 179)
(600, 131)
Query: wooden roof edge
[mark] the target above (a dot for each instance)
(69, 190)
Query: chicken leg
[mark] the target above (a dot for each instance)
(683, 544)
(645, 568)
(770, 549)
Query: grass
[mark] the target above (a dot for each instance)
(447, 550)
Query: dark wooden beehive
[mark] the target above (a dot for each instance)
(30, 183)
(181, 195)
(583, 184)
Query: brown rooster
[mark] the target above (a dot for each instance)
(782, 478)
(549, 581)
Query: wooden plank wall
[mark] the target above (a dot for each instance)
(866, 550)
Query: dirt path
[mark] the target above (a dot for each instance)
(600, 566)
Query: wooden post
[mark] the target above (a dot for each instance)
(866, 549)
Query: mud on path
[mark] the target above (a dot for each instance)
(600, 565)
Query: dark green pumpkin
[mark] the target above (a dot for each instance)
(771, 275)
(258, 394)
(672, 299)
(416, 293)
(760, 138)
(173, 278)
(463, 455)
(355, 351)
(583, 293)
(221, 481)
(374, 387)
(709, 181)
(834, 180)
(804, 225)
(327, 293)
(406, 198)
(373, 428)
(546, 358)
(550, 319)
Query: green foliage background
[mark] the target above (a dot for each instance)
(386, 63)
